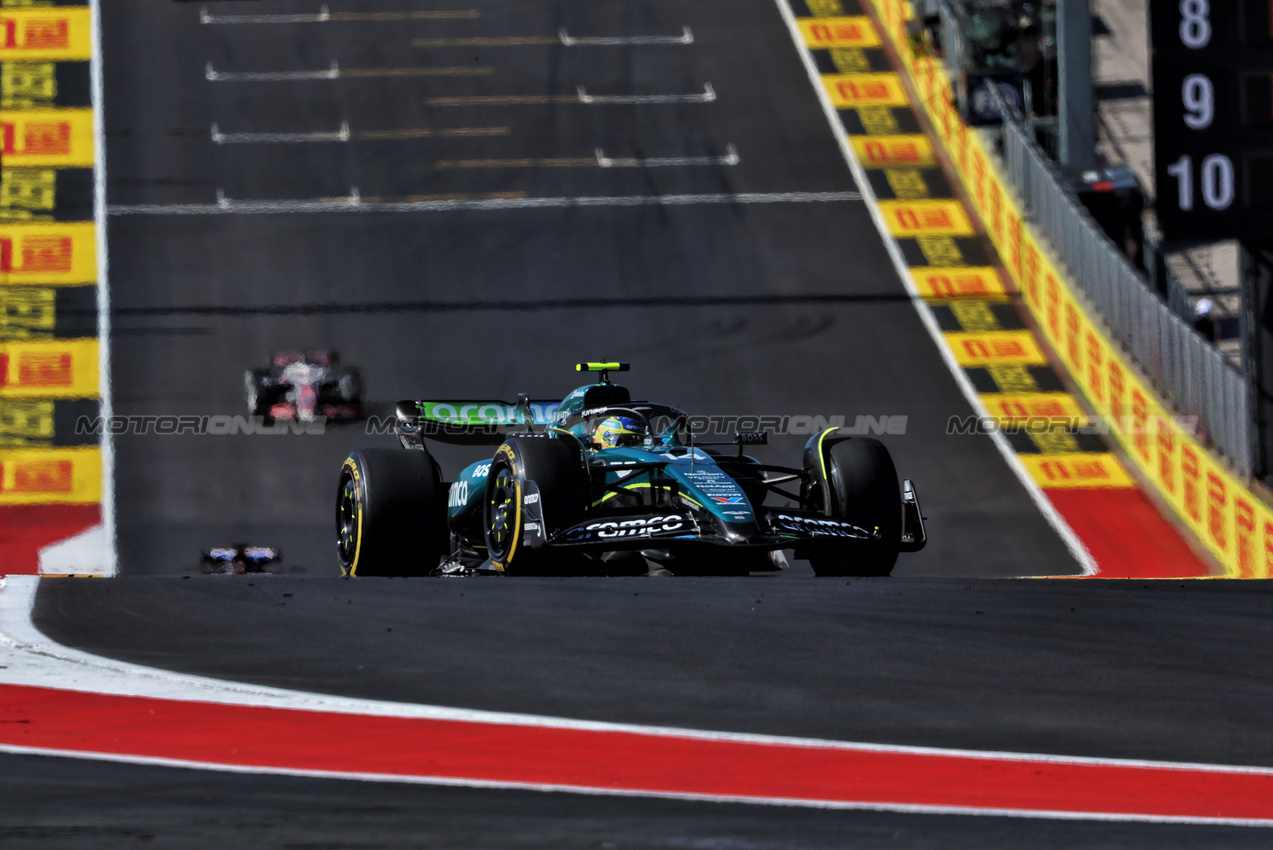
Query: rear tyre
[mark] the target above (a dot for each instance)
(557, 469)
(390, 513)
(863, 489)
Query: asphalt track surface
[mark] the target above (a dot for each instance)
(723, 308)
(789, 308)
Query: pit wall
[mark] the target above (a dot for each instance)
(1219, 508)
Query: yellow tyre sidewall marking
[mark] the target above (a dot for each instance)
(517, 509)
(358, 509)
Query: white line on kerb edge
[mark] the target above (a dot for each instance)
(1041, 502)
(353, 203)
(103, 287)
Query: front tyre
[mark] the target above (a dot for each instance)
(390, 513)
(861, 487)
(556, 468)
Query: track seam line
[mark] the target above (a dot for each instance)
(106, 402)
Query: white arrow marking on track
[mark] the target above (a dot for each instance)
(349, 204)
(708, 95)
(686, 37)
(730, 158)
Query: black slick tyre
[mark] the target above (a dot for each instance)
(861, 482)
(390, 513)
(556, 467)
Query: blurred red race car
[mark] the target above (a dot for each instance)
(304, 385)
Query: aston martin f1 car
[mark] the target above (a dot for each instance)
(303, 385)
(601, 484)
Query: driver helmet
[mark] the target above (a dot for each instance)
(617, 431)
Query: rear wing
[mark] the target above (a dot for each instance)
(470, 421)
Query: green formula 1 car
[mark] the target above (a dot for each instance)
(601, 484)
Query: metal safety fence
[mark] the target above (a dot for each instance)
(1187, 369)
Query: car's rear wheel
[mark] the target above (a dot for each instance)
(390, 513)
(861, 487)
(556, 468)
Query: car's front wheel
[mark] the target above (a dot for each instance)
(561, 490)
(859, 483)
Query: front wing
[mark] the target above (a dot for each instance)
(779, 528)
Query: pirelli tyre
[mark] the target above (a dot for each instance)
(537, 486)
(858, 482)
(390, 513)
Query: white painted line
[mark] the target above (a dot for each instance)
(448, 781)
(205, 17)
(730, 158)
(708, 95)
(216, 76)
(686, 37)
(1045, 507)
(353, 203)
(334, 73)
(109, 555)
(325, 15)
(341, 135)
